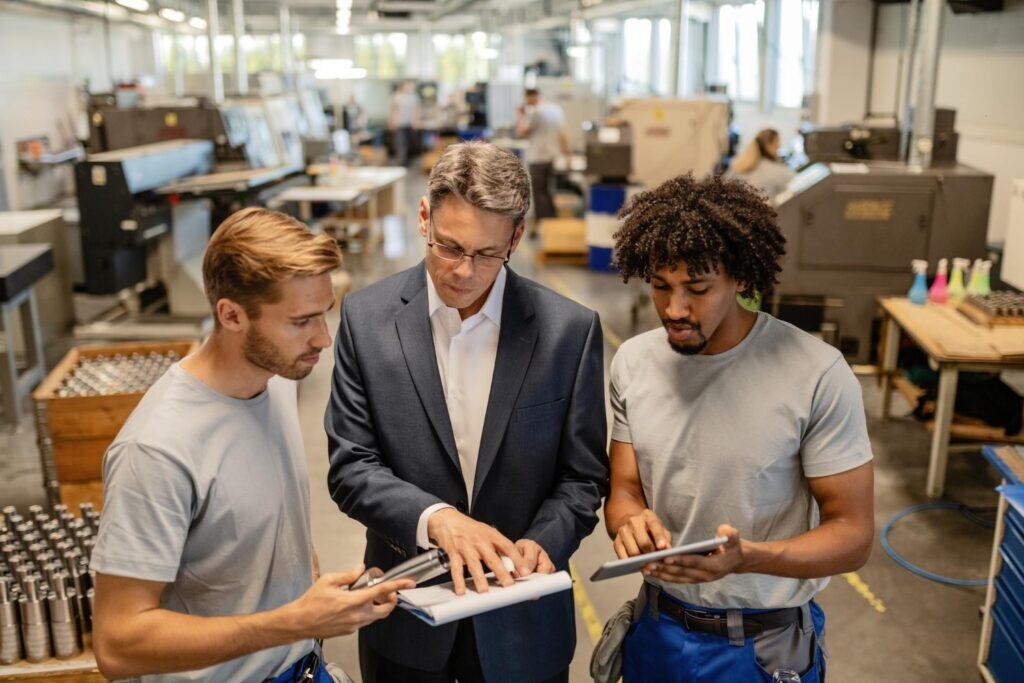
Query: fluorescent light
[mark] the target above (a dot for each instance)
(197, 22)
(330, 64)
(577, 51)
(177, 16)
(137, 5)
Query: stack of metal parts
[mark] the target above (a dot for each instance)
(46, 587)
(1003, 304)
(117, 374)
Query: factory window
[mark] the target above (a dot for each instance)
(391, 51)
(798, 35)
(636, 56)
(664, 84)
(739, 49)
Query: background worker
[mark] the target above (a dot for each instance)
(759, 164)
(542, 123)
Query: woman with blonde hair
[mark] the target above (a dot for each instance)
(759, 165)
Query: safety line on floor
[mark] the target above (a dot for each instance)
(560, 286)
(860, 585)
(585, 606)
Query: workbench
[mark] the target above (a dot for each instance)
(383, 186)
(21, 267)
(953, 343)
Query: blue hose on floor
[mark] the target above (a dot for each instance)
(970, 513)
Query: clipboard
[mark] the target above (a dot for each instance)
(616, 568)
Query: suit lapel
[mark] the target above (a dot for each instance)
(417, 341)
(516, 342)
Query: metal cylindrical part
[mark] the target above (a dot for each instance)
(63, 628)
(35, 629)
(90, 598)
(10, 638)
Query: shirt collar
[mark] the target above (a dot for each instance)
(491, 309)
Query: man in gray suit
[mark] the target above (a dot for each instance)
(467, 412)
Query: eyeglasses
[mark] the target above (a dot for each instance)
(455, 254)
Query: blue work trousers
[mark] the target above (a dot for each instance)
(659, 649)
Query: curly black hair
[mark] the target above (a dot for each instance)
(706, 223)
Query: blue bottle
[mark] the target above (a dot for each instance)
(918, 293)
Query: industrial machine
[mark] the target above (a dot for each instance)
(671, 137)
(138, 244)
(852, 230)
(609, 151)
(869, 142)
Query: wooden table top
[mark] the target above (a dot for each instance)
(949, 336)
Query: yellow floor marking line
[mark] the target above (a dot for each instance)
(858, 584)
(585, 607)
(560, 286)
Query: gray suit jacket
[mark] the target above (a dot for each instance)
(542, 469)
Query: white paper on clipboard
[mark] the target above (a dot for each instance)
(616, 568)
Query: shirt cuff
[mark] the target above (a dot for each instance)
(422, 540)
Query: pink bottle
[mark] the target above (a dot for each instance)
(939, 293)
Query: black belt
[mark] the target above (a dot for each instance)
(715, 622)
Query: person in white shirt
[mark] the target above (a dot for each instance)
(467, 412)
(543, 124)
(759, 165)
(403, 117)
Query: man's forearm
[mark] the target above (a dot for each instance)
(162, 641)
(833, 548)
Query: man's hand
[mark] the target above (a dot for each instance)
(536, 559)
(327, 610)
(642, 533)
(724, 560)
(472, 544)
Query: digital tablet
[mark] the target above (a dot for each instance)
(616, 568)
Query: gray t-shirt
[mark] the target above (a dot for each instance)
(732, 438)
(770, 176)
(546, 122)
(210, 494)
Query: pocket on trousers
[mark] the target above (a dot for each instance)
(788, 648)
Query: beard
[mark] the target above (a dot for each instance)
(690, 348)
(262, 353)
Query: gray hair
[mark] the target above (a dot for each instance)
(483, 175)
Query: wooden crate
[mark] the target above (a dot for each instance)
(563, 240)
(74, 432)
(567, 205)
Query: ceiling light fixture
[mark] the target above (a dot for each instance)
(175, 15)
(137, 5)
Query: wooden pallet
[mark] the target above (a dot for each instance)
(963, 428)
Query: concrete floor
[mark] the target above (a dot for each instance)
(883, 622)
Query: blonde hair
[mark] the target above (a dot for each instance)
(255, 249)
(757, 149)
(485, 176)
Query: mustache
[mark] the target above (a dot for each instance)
(681, 322)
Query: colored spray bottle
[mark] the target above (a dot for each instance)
(939, 293)
(919, 290)
(957, 291)
(980, 284)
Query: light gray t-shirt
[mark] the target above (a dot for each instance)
(404, 106)
(732, 438)
(546, 122)
(770, 176)
(210, 494)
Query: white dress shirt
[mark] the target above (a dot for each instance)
(466, 351)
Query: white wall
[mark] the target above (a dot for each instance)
(981, 75)
(843, 61)
(46, 58)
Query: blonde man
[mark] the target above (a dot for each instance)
(205, 568)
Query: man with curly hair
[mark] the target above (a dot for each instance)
(729, 423)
